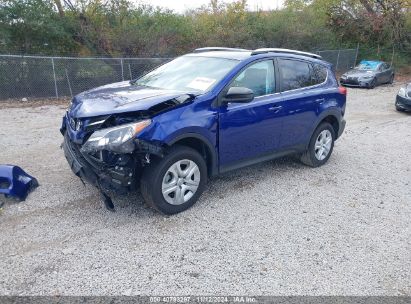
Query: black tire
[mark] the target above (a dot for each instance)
(152, 179)
(308, 157)
(391, 81)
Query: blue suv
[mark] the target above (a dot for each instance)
(199, 115)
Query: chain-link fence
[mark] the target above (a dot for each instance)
(342, 60)
(34, 76)
(395, 57)
(346, 58)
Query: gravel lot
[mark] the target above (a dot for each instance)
(277, 228)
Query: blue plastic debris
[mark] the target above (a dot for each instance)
(15, 182)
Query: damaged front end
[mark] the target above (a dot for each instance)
(105, 152)
(100, 134)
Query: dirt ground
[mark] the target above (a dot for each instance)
(277, 228)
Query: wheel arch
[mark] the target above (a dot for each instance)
(201, 145)
(333, 117)
(333, 121)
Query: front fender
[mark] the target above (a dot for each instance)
(197, 121)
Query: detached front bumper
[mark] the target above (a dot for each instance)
(403, 103)
(15, 182)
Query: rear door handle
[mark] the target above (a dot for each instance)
(275, 109)
(320, 100)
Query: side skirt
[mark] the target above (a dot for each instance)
(261, 158)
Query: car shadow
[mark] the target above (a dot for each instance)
(242, 179)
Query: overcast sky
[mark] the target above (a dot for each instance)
(181, 5)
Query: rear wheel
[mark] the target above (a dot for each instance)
(320, 147)
(391, 81)
(174, 183)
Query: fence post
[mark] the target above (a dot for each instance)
(392, 56)
(356, 54)
(55, 80)
(338, 59)
(68, 81)
(129, 69)
(122, 69)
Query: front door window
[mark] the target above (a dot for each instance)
(258, 77)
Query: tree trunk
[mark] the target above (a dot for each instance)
(59, 7)
(368, 7)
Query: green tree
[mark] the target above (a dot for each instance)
(32, 26)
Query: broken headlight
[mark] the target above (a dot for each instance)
(117, 139)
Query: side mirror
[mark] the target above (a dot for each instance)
(239, 94)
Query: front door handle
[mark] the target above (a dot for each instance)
(275, 109)
(320, 100)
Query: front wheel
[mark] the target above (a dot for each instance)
(399, 109)
(373, 83)
(320, 147)
(174, 183)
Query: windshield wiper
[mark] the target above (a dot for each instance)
(134, 82)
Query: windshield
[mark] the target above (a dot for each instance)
(367, 66)
(188, 73)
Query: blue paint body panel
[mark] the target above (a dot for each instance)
(238, 131)
(15, 182)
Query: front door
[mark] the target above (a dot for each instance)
(385, 73)
(251, 130)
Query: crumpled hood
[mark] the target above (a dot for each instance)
(119, 97)
(358, 73)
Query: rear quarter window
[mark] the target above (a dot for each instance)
(319, 73)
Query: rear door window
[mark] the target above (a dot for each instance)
(294, 74)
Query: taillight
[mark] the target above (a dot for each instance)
(342, 90)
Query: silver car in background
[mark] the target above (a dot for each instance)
(368, 74)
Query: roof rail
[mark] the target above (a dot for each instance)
(276, 50)
(222, 49)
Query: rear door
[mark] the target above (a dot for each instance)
(302, 89)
